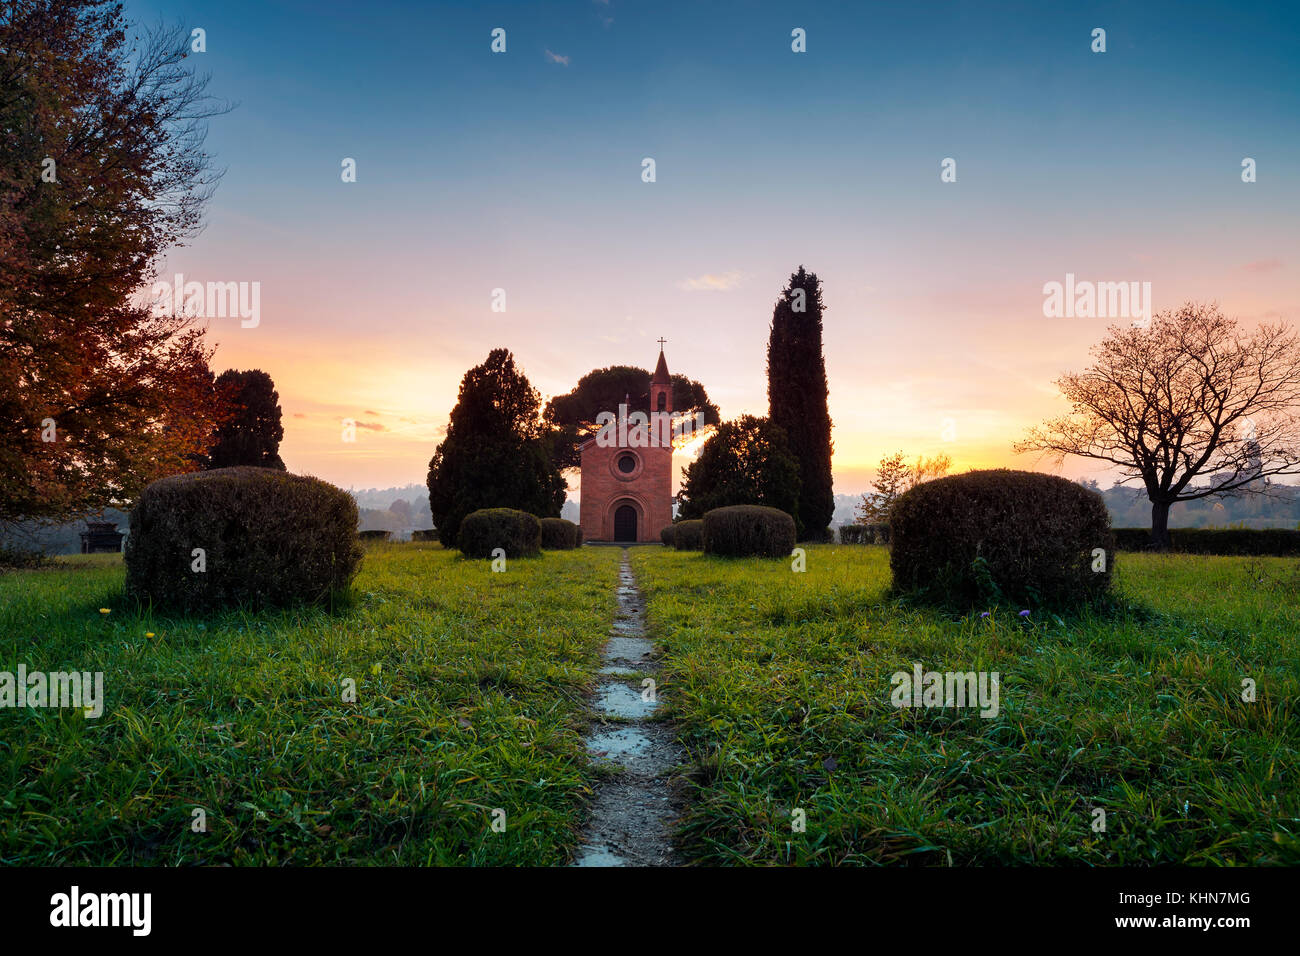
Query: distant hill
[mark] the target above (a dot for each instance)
(1277, 507)
(845, 506)
(399, 510)
(377, 504)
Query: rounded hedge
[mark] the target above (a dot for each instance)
(483, 531)
(1001, 535)
(743, 531)
(689, 535)
(666, 535)
(263, 537)
(559, 534)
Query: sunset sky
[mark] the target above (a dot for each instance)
(522, 171)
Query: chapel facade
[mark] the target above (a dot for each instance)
(627, 470)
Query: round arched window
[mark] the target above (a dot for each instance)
(627, 464)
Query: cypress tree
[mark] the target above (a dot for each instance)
(797, 394)
(495, 453)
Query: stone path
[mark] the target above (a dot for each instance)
(632, 815)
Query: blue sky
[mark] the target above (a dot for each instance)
(522, 171)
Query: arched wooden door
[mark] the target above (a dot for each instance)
(625, 523)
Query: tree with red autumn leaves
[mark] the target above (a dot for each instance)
(102, 169)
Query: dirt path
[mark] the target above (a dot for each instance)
(632, 815)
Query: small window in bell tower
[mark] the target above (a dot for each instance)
(663, 401)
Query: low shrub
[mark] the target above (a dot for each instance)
(689, 535)
(483, 531)
(20, 558)
(742, 531)
(854, 534)
(559, 534)
(372, 536)
(267, 537)
(666, 535)
(425, 534)
(1001, 536)
(1256, 542)
(864, 534)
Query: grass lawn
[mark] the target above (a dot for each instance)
(469, 697)
(781, 684)
(470, 692)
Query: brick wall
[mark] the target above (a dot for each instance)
(649, 490)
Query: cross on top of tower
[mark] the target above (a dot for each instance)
(661, 343)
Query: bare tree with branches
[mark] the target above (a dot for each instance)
(1192, 394)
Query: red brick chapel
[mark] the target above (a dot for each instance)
(627, 470)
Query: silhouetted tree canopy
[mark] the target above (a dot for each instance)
(745, 462)
(496, 453)
(572, 416)
(254, 429)
(797, 397)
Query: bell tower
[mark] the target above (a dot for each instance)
(661, 385)
(627, 482)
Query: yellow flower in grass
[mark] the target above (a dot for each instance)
(104, 610)
(148, 633)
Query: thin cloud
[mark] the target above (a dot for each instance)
(372, 426)
(712, 282)
(557, 58)
(1263, 265)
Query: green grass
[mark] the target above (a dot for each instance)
(780, 682)
(469, 697)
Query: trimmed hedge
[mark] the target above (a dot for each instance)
(666, 535)
(689, 535)
(425, 534)
(374, 535)
(742, 531)
(560, 534)
(864, 534)
(1275, 542)
(269, 538)
(1001, 535)
(483, 531)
